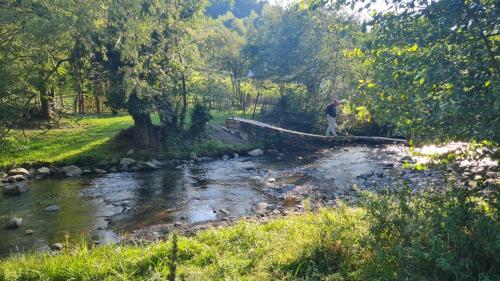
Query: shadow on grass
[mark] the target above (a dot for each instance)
(318, 262)
(81, 145)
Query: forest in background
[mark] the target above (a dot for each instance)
(422, 70)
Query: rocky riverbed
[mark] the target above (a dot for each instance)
(141, 203)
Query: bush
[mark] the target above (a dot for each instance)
(199, 118)
(451, 235)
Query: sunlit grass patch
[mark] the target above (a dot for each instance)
(75, 139)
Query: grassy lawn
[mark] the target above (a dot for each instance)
(76, 139)
(84, 140)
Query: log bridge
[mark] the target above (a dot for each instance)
(247, 127)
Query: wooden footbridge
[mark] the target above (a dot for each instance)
(244, 126)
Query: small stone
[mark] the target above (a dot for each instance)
(271, 180)
(57, 247)
(44, 171)
(100, 171)
(15, 189)
(52, 208)
(235, 155)
(130, 152)
(13, 223)
(224, 211)
(19, 171)
(177, 223)
(28, 232)
(256, 152)
(225, 157)
(149, 166)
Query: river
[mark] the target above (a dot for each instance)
(102, 208)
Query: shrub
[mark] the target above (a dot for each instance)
(450, 235)
(199, 118)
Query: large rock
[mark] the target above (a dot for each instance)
(13, 223)
(256, 152)
(127, 162)
(15, 189)
(44, 171)
(71, 170)
(19, 171)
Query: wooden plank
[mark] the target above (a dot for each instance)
(317, 137)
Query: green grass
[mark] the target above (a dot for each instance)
(75, 140)
(281, 249)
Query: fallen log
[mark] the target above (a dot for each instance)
(239, 124)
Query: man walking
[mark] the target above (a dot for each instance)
(331, 115)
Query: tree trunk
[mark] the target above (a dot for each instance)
(97, 104)
(45, 111)
(144, 134)
(184, 101)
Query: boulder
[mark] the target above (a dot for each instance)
(15, 178)
(52, 209)
(43, 171)
(19, 171)
(13, 223)
(15, 189)
(256, 152)
(71, 170)
(127, 161)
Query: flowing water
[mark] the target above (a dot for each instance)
(101, 208)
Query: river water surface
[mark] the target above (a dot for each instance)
(102, 208)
